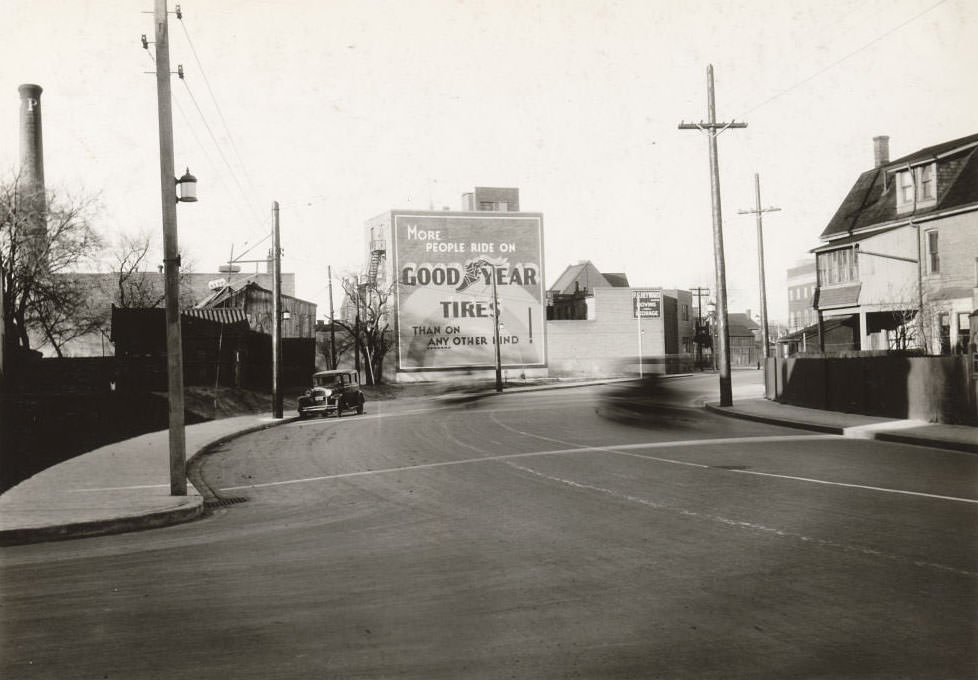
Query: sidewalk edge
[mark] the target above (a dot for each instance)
(103, 527)
(933, 443)
(731, 412)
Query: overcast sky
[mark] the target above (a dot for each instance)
(342, 109)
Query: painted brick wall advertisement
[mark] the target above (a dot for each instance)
(445, 305)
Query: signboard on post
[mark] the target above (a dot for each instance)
(646, 304)
(444, 265)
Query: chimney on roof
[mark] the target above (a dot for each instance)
(881, 151)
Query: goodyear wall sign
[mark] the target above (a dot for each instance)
(445, 303)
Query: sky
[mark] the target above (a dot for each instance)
(340, 110)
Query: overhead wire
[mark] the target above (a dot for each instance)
(203, 149)
(838, 61)
(220, 113)
(220, 152)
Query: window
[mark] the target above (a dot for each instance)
(933, 252)
(685, 312)
(922, 181)
(837, 266)
(944, 322)
(925, 178)
(905, 188)
(964, 332)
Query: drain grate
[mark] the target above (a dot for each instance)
(221, 502)
(729, 467)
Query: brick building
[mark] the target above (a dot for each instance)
(600, 326)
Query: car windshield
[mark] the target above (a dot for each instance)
(327, 380)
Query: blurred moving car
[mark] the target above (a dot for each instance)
(332, 392)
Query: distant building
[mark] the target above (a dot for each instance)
(600, 326)
(745, 344)
(900, 255)
(142, 289)
(256, 302)
(492, 199)
(568, 297)
(802, 280)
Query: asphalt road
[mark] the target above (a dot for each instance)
(555, 534)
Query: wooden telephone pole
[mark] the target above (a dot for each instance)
(713, 129)
(700, 293)
(276, 317)
(332, 321)
(758, 210)
(171, 258)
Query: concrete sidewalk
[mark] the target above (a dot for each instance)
(126, 486)
(936, 435)
(120, 487)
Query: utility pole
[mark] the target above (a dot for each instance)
(495, 328)
(356, 327)
(758, 210)
(277, 318)
(700, 293)
(332, 323)
(171, 257)
(713, 129)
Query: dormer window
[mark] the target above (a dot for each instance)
(920, 183)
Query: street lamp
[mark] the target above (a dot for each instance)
(187, 188)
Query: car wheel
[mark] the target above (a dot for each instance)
(360, 407)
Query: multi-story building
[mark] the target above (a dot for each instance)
(448, 273)
(802, 280)
(899, 260)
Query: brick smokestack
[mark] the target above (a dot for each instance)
(31, 145)
(881, 151)
(31, 180)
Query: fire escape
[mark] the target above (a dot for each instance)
(378, 250)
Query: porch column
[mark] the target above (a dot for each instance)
(864, 341)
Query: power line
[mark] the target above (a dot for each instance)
(200, 145)
(843, 58)
(220, 113)
(220, 152)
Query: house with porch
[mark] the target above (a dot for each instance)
(898, 264)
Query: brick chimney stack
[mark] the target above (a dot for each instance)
(881, 151)
(31, 145)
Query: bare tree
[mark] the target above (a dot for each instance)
(137, 280)
(41, 242)
(371, 330)
(134, 285)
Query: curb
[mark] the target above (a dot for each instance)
(964, 447)
(104, 527)
(194, 509)
(883, 435)
(209, 495)
(768, 420)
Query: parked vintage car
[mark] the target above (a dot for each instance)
(332, 392)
